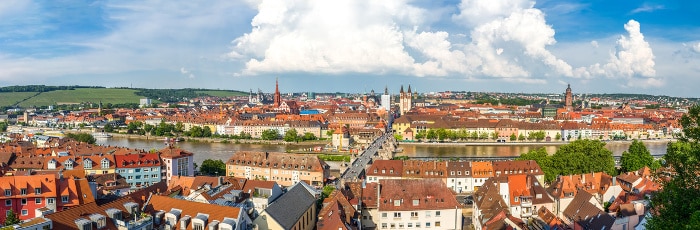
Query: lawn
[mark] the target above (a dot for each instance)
(94, 95)
(222, 93)
(7, 99)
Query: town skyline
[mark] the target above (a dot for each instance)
(512, 46)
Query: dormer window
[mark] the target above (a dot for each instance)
(68, 164)
(52, 164)
(87, 164)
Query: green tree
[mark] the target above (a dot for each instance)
(583, 156)
(431, 134)
(109, 128)
(290, 135)
(206, 131)
(270, 134)
(677, 205)
(474, 135)
(521, 137)
(398, 137)
(513, 137)
(3, 126)
(82, 137)
(213, 167)
(11, 218)
(558, 137)
(483, 135)
(494, 135)
(420, 135)
(543, 159)
(309, 137)
(636, 157)
(329, 132)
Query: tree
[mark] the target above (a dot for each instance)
(494, 135)
(558, 137)
(329, 133)
(11, 218)
(677, 205)
(513, 137)
(213, 167)
(431, 134)
(270, 134)
(636, 157)
(206, 131)
(584, 156)
(82, 137)
(308, 137)
(3, 126)
(543, 159)
(398, 137)
(521, 137)
(290, 135)
(109, 128)
(474, 135)
(420, 135)
(483, 135)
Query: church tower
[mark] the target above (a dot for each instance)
(405, 100)
(278, 98)
(569, 99)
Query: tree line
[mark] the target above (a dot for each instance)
(443, 134)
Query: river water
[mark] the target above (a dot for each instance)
(223, 151)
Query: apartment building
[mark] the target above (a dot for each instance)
(284, 168)
(176, 162)
(33, 195)
(139, 169)
(417, 204)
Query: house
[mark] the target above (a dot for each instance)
(110, 184)
(584, 213)
(411, 203)
(262, 193)
(337, 213)
(140, 170)
(280, 214)
(284, 168)
(363, 196)
(459, 177)
(384, 169)
(175, 213)
(176, 162)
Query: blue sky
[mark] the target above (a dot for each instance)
(597, 46)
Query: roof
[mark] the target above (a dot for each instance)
(587, 215)
(409, 194)
(297, 197)
(191, 208)
(299, 162)
(392, 168)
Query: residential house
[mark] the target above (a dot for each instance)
(424, 203)
(176, 162)
(337, 214)
(284, 168)
(140, 170)
(280, 214)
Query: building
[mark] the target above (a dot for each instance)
(171, 213)
(139, 169)
(405, 100)
(284, 168)
(176, 162)
(420, 204)
(294, 210)
(337, 214)
(568, 99)
(278, 98)
(144, 102)
(386, 100)
(33, 195)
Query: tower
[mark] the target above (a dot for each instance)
(568, 99)
(386, 99)
(278, 98)
(405, 100)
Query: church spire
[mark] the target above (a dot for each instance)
(278, 99)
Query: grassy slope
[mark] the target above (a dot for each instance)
(7, 99)
(114, 96)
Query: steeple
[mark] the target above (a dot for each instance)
(278, 99)
(386, 90)
(409, 88)
(401, 91)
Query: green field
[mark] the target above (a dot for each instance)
(94, 95)
(8, 99)
(222, 93)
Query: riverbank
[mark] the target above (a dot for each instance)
(222, 140)
(543, 143)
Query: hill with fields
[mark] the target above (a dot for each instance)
(41, 96)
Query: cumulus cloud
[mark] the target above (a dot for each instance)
(695, 47)
(594, 44)
(632, 58)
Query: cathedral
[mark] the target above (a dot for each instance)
(405, 100)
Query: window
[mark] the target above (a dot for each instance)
(397, 202)
(410, 225)
(23, 191)
(8, 192)
(68, 164)
(416, 202)
(87, 164)
(145, 170)
(437, 213)
(427, 224)
(383, 225)
(414, 214)
(105, 163)
(64, 199)
(7, 213)
(37, 200)
(417, 225)
(198, 226)
(516, 199)
(400, 225)
(8, 202)
(37, 191)
(427, 213)
(393, 225)
(437, 223)
(24, 201)
(397, 215)
(384, 215)
(50, 200)
(25, 212)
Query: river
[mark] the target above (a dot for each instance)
(223, 151)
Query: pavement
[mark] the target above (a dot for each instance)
(357, 168)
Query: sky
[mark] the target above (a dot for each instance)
(518, 46)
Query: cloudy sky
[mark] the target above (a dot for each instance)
(597, 46)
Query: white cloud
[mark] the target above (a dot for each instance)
(633, 58)
(187, 73)
(647, 7)
(696, 47)
(594, 43)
